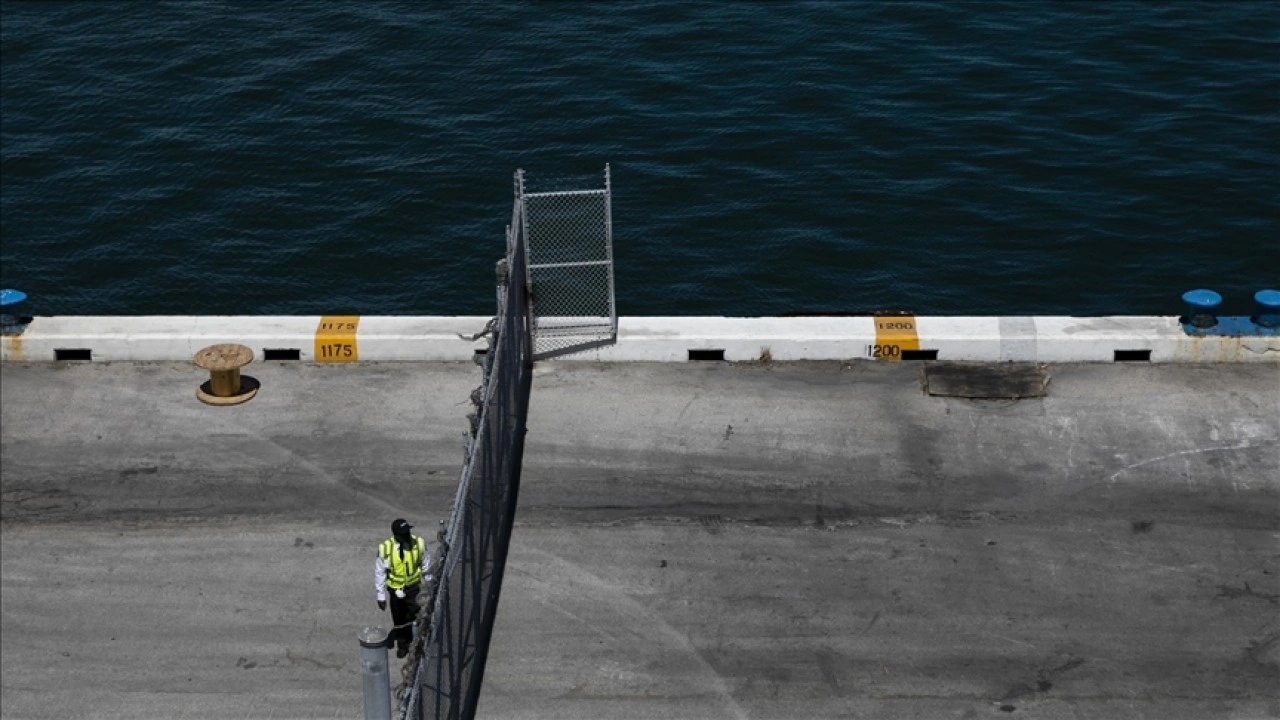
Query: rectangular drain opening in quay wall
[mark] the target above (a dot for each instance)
(1132, 356)
(61, 354)
(568, 239)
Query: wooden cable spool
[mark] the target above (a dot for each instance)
(225, 385)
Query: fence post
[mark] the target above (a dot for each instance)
(377, 678)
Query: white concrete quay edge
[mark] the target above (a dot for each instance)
(653, 339)
(177, 338)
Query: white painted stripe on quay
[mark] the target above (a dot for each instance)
(653, 339)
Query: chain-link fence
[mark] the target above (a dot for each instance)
(569, 241)
(446, 667)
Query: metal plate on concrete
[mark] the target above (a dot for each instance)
(986, 380)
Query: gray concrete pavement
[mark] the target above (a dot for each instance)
(694, 541)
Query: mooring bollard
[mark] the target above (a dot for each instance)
(10, 322)
(1268, 308)
(1202, 307)
(377, 678)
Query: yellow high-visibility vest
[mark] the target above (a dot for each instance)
(404, 568)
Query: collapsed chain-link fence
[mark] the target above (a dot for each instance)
(443, 676)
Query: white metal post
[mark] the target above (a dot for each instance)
(377, 678)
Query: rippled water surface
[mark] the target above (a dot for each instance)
(770, 157)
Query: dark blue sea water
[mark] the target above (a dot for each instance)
(768, 157)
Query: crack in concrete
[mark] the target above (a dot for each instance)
(1226, 591)
(1180, 453)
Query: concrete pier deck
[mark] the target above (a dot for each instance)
(694, 540)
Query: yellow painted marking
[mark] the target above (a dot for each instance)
(336, 339)
(894, 334)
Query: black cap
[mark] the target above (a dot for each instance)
(400, 526)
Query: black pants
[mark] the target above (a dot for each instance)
(403, 611)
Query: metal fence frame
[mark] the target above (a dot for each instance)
(568, 245)
(448, 658)
(452, 633)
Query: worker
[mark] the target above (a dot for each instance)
(402, 566)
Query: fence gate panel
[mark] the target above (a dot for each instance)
(574, 277)
(568, 237)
